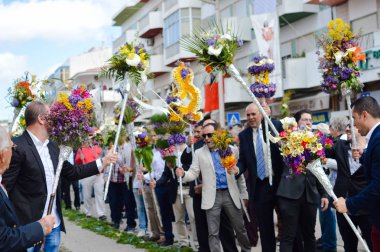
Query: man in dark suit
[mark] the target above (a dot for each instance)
(349, 181)
(366, 113)
(253, 154)
(29, 179)
(13, 237)
(298, 199)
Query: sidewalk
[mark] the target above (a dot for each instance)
(78, 239)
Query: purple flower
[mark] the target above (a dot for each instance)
(15, 103)
(170, 99)
(176, 139)
(184, 73)
(211, 42)
(225, 153)
(240, 42)
(261, 90)
(345, 74)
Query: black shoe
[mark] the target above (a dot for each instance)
(103, 218)
(319, 243)
(116, 225)
(151, 238)
(166, 243)
(77, 208)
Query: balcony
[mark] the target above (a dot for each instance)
(110, 96)
(127, 37)
(157, 66)
(174, 53)
(302, 72)
(234, 92)
(325, 2)
(290, 11)
(150, 25)
(241, 24)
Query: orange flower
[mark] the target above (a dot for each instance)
(229, 161)
(208, 69)
(358, 54)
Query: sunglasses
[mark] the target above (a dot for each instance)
(209, 135)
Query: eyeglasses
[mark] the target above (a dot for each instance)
(209, 135)
(306, 120)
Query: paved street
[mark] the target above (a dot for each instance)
(78, 239)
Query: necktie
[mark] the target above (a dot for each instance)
(260, 156)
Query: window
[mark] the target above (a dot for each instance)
(171, 29)
(180, 23)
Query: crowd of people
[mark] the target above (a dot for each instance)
(226, 209)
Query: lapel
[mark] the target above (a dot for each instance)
(207, 155)
(54, 154)
(6, 200)
(251, 147)
(35, 154)
(367, 154)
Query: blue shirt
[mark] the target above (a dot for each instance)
(220, 171)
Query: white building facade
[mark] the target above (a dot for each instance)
(161, 24)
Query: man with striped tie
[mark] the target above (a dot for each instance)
(254, 157)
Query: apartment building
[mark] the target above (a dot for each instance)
(160, 25)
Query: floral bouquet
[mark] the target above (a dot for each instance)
(300, 147)
(215, 49)
(338, 62)
(20, 95)
(223, 139)
(260, 68)
(132, 59)
(131, 112)
(69, 126)
(144, 151)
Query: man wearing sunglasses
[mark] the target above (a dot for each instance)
(219, 191)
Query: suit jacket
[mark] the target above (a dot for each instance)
(13, 237)
(346, 184)
(202, 162)
(247, 158)
(26, 183)
(369, 197)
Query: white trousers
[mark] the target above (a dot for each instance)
(96, 182)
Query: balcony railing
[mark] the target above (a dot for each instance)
(150, 25)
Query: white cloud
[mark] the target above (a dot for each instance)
(11, 66)
(58, 20)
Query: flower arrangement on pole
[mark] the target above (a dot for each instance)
(260, 68)
(69, 123)
(223, 140)
(300, 147)
(132, 59)
(20, 95)
(215, 49)
(338, 63)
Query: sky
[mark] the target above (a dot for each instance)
(37, 36)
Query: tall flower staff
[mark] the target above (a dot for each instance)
(20, 95)
(69, 125)
(216, 50)
(338, 63)
(132, 63)
(302, 149)
(262, 88)
(223, 140)
(144, 154)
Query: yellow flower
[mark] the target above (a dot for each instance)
(229, 161)
(313, 149)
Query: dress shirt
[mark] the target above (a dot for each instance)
(158, 166)
(220, 171)
(2, 187)
(354, 165)
(265, 147)
(369, 134)
(43, 151)
(124, 158)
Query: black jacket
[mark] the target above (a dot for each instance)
(13, 237)
(26, 183)
(247, 159)
(168, 179)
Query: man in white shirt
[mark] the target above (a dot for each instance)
(29, 179)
